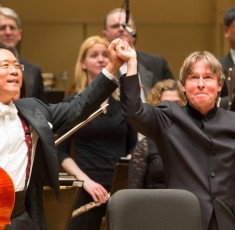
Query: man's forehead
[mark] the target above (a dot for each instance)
(116, 16)
(8, 18)
(6, 54)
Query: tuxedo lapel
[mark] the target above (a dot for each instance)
(40, 125)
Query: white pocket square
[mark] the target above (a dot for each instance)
(51, 126)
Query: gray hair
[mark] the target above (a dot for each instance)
(117, 10)
(12, 14)
(206, 57)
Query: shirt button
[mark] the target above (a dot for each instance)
(212, 174)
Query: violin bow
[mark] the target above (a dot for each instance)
(230, 88)
(80, 125)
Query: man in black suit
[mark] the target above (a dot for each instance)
(33, 164)
(228, 61)
(11, 35)
(151, 68)
(196, 141)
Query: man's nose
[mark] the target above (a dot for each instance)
(7, 29)
(201, 82)
(120, 26)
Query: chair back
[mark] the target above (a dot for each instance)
(150, 209)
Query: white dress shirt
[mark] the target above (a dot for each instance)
(13, 148)
(232, 52)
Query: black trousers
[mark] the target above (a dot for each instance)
(21, 222)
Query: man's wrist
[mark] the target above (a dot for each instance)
(131, 67)
(109, 75)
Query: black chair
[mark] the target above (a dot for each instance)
(150, 209)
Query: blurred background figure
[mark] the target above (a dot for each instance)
(151, 68)
(93, 151)
(228, 61)
(145, 167)
(11, 35)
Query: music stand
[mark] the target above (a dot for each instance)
(120, 177)
(58, 213)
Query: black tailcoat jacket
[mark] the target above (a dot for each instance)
(198, 152)
(152, 68)
(45, 169)
(33, 82)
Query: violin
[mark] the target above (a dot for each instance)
(7, 198)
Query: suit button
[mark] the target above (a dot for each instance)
(212, 174)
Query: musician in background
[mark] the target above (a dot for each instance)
(11, 35)
(228, 61)
(27, 127)
(100, 144)
(151, 68)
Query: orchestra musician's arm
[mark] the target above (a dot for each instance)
(97, 191)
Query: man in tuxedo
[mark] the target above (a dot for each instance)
(228, 61)
(151, 68)
(27, 126)
(11, 35)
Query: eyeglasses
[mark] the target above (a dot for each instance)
(117, 25)
(7, 65)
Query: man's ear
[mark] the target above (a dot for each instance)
(226, 31)
(104, 33)
(20, 35)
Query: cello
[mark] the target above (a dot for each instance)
(7, 198)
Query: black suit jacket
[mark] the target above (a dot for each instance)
(62, 116)
(32, 80)
(152, 68)
(198, 152)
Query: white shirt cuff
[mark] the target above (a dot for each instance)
(109, 76)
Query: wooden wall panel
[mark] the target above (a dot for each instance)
(54, 30)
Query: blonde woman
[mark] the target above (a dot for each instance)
(100, 144)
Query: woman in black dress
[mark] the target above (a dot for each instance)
(98, 146)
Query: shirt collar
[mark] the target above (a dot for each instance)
(8, 109)
(232, 53)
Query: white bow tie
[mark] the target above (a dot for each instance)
(7, 109)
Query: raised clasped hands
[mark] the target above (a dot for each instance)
(119, 53)
(124, 51)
